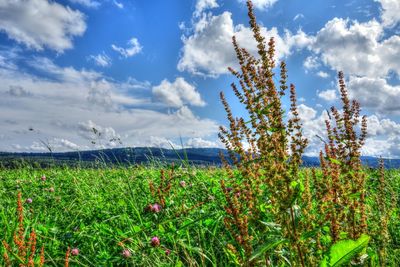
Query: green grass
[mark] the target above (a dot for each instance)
(95, 210)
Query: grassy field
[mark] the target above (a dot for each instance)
(105, 214)
(261, 210)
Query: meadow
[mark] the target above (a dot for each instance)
(261, 208)
(105, 214)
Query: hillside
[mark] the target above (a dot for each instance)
(143, 155)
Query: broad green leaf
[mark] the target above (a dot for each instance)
(344, 251)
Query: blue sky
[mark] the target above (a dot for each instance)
(148, 73)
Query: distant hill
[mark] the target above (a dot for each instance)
(142, 155)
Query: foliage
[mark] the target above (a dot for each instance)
(102, 212)
(344, 251)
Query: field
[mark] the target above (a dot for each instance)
(261, 207)
(105, 214)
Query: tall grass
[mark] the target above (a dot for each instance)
(266, 152)
(264, 210)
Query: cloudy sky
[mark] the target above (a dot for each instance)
(148, 73)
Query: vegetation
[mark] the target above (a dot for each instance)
(262, 210)
(106, 212)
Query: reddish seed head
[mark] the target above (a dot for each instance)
(28, 200)
(43, 178)
(148, 208)
(229, 189)
(126, 253)
(75, 252)
(182, 183)
(155, 241)
(167, 252)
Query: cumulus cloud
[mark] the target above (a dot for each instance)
(41, 23)
(382, 138)
(366, 53)
(390, 12)
(322, 74)
(66, 102)
(177, 94)
(134, 48)
(375, 94)
(328, 95)
(356, 48)
(202, 5)
(100, 94)
(17, 91)
(311, 63)
(209, 51)
(306, 113)
(98, 135)
(261, 4)
(101, 60)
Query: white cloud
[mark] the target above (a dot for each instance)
(382, 138)
(313, 126)
(375, 93)
(209, 50)
(40, 23)
(261, 4)
(177, 94)
(100, 94)
(298, 16)
(390, 12)
(306, 113)
(87, 3)
(17, 91)
(201, 143)
(101, 60)
(98, 135)
(202, 5)
(134, 48)
(311, 62)
(57, 103)
(118, 4)
(322, 74)
(328, 95)
(357, 48)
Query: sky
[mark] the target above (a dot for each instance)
(149, 73)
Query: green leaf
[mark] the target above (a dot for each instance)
(335, 161)
(233, 259)
(344, 251)
(266, 247)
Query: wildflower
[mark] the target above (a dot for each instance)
(126, 253)
(229, 189)
(75, 252)
(167, 252)
(182, 183)
(28, 200)
(51, 189)
(155, 241)
(43, 178)
(156, 208)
